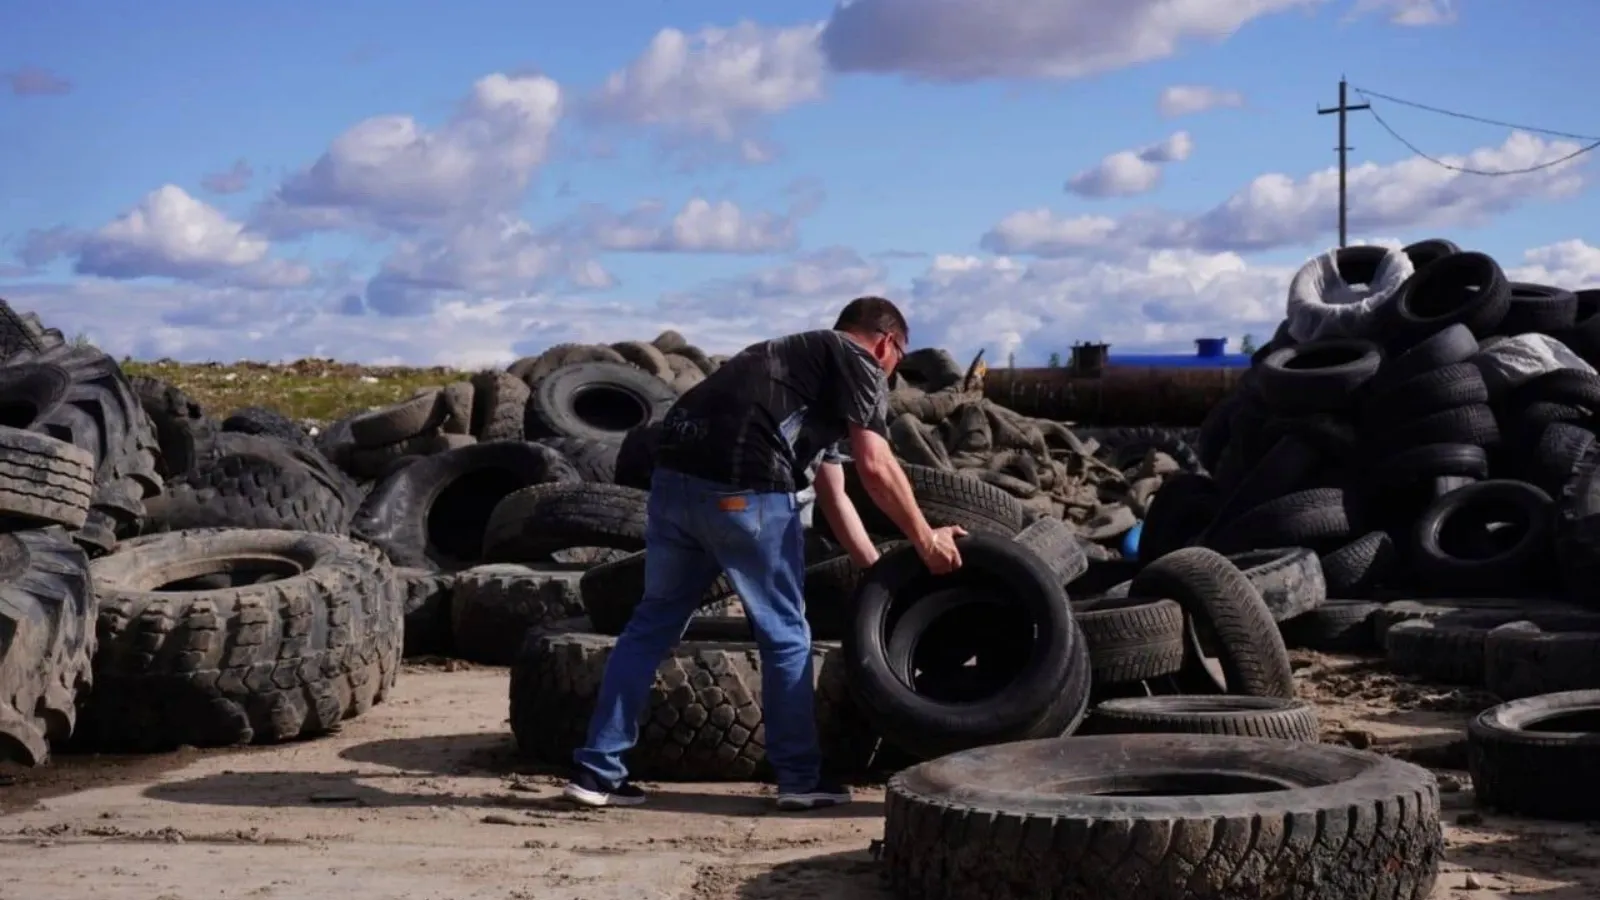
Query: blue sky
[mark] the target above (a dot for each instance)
(389, 182)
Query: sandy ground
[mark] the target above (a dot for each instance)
(423, 799)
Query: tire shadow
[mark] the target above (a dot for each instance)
(838, 876)
(449, 754)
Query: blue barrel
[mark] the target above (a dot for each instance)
(1130, 541)
(1210, 347)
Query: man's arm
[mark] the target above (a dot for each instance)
(886, 484)
(840, 512)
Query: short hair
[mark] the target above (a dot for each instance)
(870, 315)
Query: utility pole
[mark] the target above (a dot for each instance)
(1342, 109)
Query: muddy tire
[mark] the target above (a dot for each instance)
(493, 606)
(1258, 818)
(534, 523)
(499, 402)
(44, 481)
(418, 414)
(596, 461)
(308, 635)
(46, 640)
(1264, 717)
(1055, 543)
(253, 481)
(597, 402)
(705, 720)
(181, 427)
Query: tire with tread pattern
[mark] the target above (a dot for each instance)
(47, 638)
(1264, 717)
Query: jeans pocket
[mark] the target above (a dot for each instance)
(733, 516)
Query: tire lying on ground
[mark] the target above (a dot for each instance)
(1538, 756)
(596, 401)
(427, 610)
(491, 607)
(533, 524)
(1163, 817)
(46, 640)
(1131, 640)
(432, 514)
(705, 720)
(1264, 717)
(1337, 626)
(308, 634)
(254, 481)
(906, 650)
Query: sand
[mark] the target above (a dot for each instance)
(423, 798)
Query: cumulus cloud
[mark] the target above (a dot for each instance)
(1413, 13)
(393, 172)
(715, 82)
(1131, 172)
(1188, 99)
(33, 81)
(1573, 264)
(1278, 210)
(231, 180)
(962, 40)
(169, 234)
(700, 226)
(806, 292)
(476, 260)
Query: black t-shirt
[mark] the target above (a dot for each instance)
(763, 418)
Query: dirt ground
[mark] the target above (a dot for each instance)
(423, 799)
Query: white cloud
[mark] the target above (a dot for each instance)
(1188, 99)
(714, 82)
(806, 292)
(960, 40)
(496, 257)
(393, 172)
(169, 234)
(1574, 265)
(1278, 210)
(1131, 172)
(701, 226)
(1412, 13)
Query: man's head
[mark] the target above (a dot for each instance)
(877, 325)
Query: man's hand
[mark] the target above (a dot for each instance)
(939, 552)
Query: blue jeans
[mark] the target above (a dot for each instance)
(694, 530)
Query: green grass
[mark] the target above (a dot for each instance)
(317, 389)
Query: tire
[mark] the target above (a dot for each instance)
(1358, 568)
(1027, 820)
(47, 613)
(455, 404)
(1537, 756)
(1539, 309)
(1050, 538)
(611, 591)
(1453, 541)
(532, 524)
(427, 610)
(44, 481)
(16, 335)
(493, 606)
(1577, 535)
(1131, 640)
(1559, 449)
(1315, 518)
(1531, 657)
(1318, 376)
(1047, 695)
(946, 498)
(265, 422)
(1463, 288)
(597, 402)
(1289, 579)
(1440, 389)
(1475, 425)
(257, 663)
(433, 513)
(1288, 467)
(1338, 626)
(1448, 346)
(414, 416)
(1583, 338)
(1214, 593)
(1104, 578)
(1261, 717)
(645, 357)
(1426, 251)
(1447, 650)
(253, 481)
(1394, 612)
(1124, 448)
(596, 461)
(705, 720)
(1178, 514)
(536, 369)
(499, 404)
(1426, 462)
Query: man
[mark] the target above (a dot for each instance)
(734, 451)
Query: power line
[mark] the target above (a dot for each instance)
(1471, 118)
(1470, 171)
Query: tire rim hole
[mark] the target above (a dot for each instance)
(1484, 535)
(1323, 358)
(609, 408)
(1167, 784)
(1577, 721)
(18, 413)
(460, 513)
